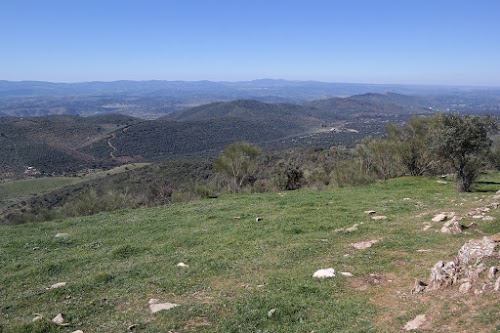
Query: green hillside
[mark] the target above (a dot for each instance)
(241, 269)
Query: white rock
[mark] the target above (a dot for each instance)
(57, 285)
(270, 313)
(379, 217)
(415, 323)
(346, 274)
(465, 287)
(353, 228)
(439, 218)
(38, 317)
(370, 212)
(477, 216)
(488, 218)
(59, 320)
(156, 307)
(365, 244)
(77, 331)
(258, 219)
(181, 264)
(441, 182)
(497, 284)
(406, 199)
(492, 273)
(324, 273)
(61, 234)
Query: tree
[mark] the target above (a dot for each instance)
(414, 143)
(237, 163)
(464, 141)
(289, 175)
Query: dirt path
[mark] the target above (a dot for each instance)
(113, 148)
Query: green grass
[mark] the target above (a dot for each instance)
(239, 269)
(20, 188)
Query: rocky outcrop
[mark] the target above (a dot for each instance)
(468, 271)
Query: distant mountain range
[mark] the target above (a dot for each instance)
(153, 99)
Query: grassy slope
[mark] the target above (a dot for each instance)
(33, 186)
(239, 268)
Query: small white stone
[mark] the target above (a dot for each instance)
(492, 273)
(324, 273)
(156, 307)
(353, 228)
(365, 244)
(497, 285)
(415, 323)
(346, 274)
(439, 218)
(370, 212)
(77, 331)
(379, 217)
(270, 313)
(61, 235)
(465, 287)
(57, 285)
(59, 320)
(258, 219)
(183, 265)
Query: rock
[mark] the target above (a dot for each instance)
(353, 228)
(497, 285)
(379, 217)
(443, 275)
(347, 274)
(77, 331)
(495, 238)
(59, 320)
(488, 218)
(476, 250)
(477, 216)
(370, 212)
(57, 285)
(415, 323)
(62, 235)
(155, 306)
(406, 199)
(419, 287)
(452, 227)
(258, 219)
(132, 327)
(492, 272)
(365, 244)
(439, 218)
(324, 273)
(442, 182)
(38, 317)
(270, 313)
(183, 265)
(426, 227)
(465, 287)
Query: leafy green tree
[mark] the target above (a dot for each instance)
(414, 145)
(237, 163)
(464, 141)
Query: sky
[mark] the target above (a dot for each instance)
(448, 42)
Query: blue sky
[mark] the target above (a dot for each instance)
(371, 41)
